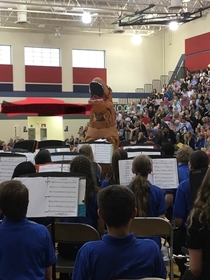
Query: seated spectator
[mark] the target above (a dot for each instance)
(10, 144)
(200, 141)
(3, 146)
(151, 138)
(119, 249)
(26, 248)
(189, 140)
(207, 141)
(128, 130)
(42, 157)
(113, 176)
(141, 138)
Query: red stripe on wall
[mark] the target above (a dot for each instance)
(43, 74)
(197, 61)
(197, 44)
(84, 76)
(6, 73)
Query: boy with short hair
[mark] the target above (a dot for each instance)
(26, 249)
(119, 254)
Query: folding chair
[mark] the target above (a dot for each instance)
(71, 233)
(148, 227)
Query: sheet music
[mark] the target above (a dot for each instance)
(138, 147)
(125, 170)
(7, 166)
(37, 188)
(62, 196)
(69, 157)
(56, 158)
(29, 156)
(81, 202)
(165, 174)
(50, 167)
(103, 153)
(137, 153)
(65, 167)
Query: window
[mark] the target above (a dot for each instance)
(5, 55)
(42, 56)
(88, 58)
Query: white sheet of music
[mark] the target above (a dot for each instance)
(165, 173)
(50, 167)
(7, 166)
(37, 188)
(56, 158)
(62, 196)
(69, 157)
(125, 170)
(137, 153)
(82, 188)
(138, 147)
(65, 167)
(103, 153)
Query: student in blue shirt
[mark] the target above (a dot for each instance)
(26, 249)
(119, 255)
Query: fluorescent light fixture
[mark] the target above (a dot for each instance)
(136, 39)
(86, 18)
(173, 25)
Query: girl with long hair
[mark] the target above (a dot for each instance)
(198, 234)
(86, 150)
(149, 198)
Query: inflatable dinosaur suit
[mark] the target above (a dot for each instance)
(102, 116)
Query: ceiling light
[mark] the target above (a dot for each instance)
(136, 39)
(86, 18)
(173, 25)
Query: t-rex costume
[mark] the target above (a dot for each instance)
(102, 116)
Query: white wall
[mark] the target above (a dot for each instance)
(128, 66)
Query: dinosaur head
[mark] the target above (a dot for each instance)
(99, 90)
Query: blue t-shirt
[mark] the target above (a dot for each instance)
(156, 202)
(182, 202)
(183, 172)
(117, 258)
(106, 183)
(26, 249)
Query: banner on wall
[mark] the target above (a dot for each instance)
(120, 107)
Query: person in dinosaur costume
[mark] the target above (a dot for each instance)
(102, 116)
